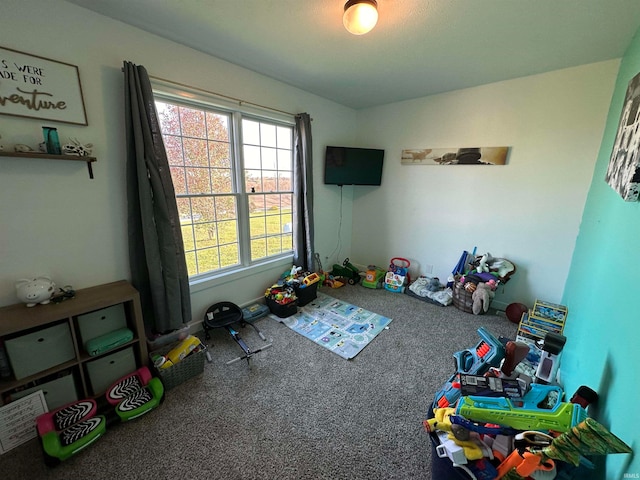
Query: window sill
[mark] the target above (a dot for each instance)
(200, 284)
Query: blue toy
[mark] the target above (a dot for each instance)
(489, 352)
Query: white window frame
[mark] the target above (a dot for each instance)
(167, 92)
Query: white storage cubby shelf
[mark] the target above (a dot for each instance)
(45, 344)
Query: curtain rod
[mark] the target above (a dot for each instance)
(239, 100)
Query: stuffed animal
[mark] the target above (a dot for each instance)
(483, 265)
(442, 421)
(433, 284)
(481, 298)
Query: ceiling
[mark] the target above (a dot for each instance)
(418, 48)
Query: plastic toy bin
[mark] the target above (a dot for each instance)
(282, 311)
(307, 294)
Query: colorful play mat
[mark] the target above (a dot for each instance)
(343, 328)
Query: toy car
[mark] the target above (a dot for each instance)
(374, 277)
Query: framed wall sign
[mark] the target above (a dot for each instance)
(623, 172)
(38, 87)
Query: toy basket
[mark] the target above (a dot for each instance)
(191, 366)
(462, 299)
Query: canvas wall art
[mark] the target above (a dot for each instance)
(623, 172)
(455, 156)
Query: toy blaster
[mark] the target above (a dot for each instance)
(489, 352)
(449, 448)
(525, 464)
(460, 452)
(525, 413)
(482, 429)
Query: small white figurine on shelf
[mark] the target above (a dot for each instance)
(22, 148)
(35, 290)
(74, 147)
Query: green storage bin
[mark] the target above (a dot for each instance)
(34, 352)
(98, 323)
(106, 370)
(57, 392)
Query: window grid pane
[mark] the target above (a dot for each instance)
(198, 142)
(273, 234)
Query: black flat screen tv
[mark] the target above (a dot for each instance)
(353, 166)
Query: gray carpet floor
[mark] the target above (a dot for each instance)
(299, 412)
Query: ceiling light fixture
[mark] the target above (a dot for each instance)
(360, 16)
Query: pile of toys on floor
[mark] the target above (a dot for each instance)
(395, 279)
(470, 287)
(295, 288)
(501, 414)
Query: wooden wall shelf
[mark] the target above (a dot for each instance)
(49, 156)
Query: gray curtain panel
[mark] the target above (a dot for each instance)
(303, 193)
(156, 252)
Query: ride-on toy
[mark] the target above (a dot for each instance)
(73, 427)
(346, 270)
(225, 314)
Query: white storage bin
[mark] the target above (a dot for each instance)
(106, 370)
(32, 353)
(101, 322)
(56, 392)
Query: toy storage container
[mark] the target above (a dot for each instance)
(57, 391)
(307, 294)
(282, 311)
(101, 322)
(106, 370)
(40, 350)
(159, 341)
(190, 366)
(462, 299)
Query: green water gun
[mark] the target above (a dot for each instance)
(525, 413)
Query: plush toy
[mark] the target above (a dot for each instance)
(442, 421)
(433, 284)
(483, 265)
(481, 298)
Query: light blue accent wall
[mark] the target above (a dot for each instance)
(603, 296)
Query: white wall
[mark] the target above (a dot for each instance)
(53, 219)
(528, 211)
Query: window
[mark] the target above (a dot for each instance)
(233, 179)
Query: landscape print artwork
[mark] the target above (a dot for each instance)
(455, 156)
(623, 172)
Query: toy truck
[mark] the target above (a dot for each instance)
(346, 270)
